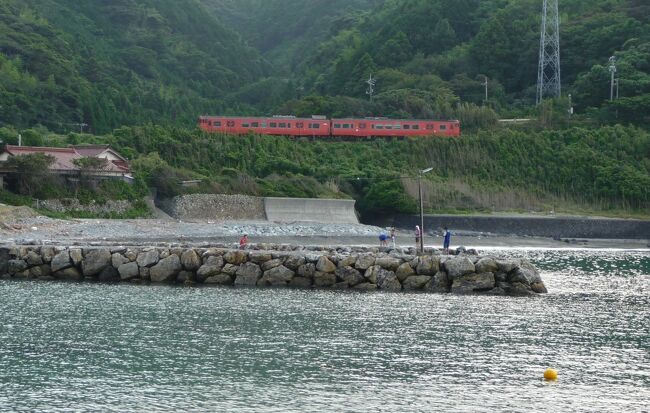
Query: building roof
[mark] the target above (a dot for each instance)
(64, 157)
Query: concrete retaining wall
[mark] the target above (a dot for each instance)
(276, 266)
(335, 211)
(552, 227)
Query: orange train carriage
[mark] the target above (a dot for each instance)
(320, 127)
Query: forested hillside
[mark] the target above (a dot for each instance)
(111, 63)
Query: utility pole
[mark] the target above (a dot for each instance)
(612, 71)
(371, 86)
(420, 173)
(20, 140)
(548, 75)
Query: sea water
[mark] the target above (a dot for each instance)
(94, 347)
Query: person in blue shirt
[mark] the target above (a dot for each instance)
(447, 241)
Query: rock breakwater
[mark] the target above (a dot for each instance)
(365, 269)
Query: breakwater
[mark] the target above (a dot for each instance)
(365, 269)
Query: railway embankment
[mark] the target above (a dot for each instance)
(267, 265)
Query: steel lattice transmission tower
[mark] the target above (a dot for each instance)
(548, 77)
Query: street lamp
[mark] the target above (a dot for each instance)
(420, 173)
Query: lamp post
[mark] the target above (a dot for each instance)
(420, 173)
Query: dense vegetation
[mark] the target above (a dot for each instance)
(138, 72)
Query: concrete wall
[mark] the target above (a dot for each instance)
(339, 211)
(552, 227)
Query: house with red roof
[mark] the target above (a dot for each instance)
(116, 166)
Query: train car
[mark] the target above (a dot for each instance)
(278, 125)
(380, 127)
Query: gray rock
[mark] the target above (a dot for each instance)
(364, 262)
(470, 283)
(219, 279)
(185, 277)
(293, 262)
(387, 280)
(416, 282)
(40, 271)
(487, 265)
(300, 282)
(249, 277)
(147, 258)
(458, 267)
(214, 261)
(428, 265)
(95, 261)
(325, 265)
(307, 270)
(70, 273)
(365, 287)
(267, 265)
(350, 276)
(348, 261)
(109, 274)
(324, 279)
(76, 256)
(236, 257)
(118, 250)
(128, 270)
(519, 289)
(539, 288)
(207, 271)
(61, 261)
(389, 263)
(249, 269)
(230, 269)
(404, 271)
(371, 273)
(259, 257)
(439, 283)
(505, 266)
(145, 273)
(166, 270)
(47, 253)
(131, 255)
(117, 260)
(277, 276)
(190, 260)
(525, 273)
(16, 266)
(164, 254)
(33, 259)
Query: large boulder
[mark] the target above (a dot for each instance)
(118, 260)
(128, 270)
(404, 271)
(248, 274)
(428, 265)
(61, 261)
(365, 287)
(293, 262)
(486, 265)
(300, 282)
(147, 258)
(236, 257)
(387, 280)
(389, 263)
(190, 260)
(277, 276)
(348, 261)
(267, 265)
(214, 261)
(325, 265)
(76, 256)
(459, 266)
(33, 259)
(371, 274)
(416, 282)
(439, 283)
(206, 271)
(259, 257)
(470, 283)
(525, 273)
(108, 274)
(364, 262)
(47, 253)
(307, 270)
(16, 266)
(539, 288)
(219, 279)
(70, 273)
(350, 276)
(95, 261)
(324, 279)
(166, 270)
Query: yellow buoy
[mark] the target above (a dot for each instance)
(550, 375)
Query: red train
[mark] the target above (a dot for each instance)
(320, 127)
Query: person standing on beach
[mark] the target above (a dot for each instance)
(243, 241)
(418, 234)
(393, 237)
(446, 241)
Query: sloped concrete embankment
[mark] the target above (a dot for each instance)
(249, 208)
(551, 227)
(277, 266)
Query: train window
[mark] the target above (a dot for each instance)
(346, 126)
(429, 126)
(407, 126)
(245, 125)
(337, 125)
(416, 127)
(264, 124)
(379, 126)
(362, 126)
(443, 127)
(282, 125)
(255, 124)
(389, 126)
(314, 126)
(397, 126)
(300, 125)
(274, 125)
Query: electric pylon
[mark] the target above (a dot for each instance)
(548, 77)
